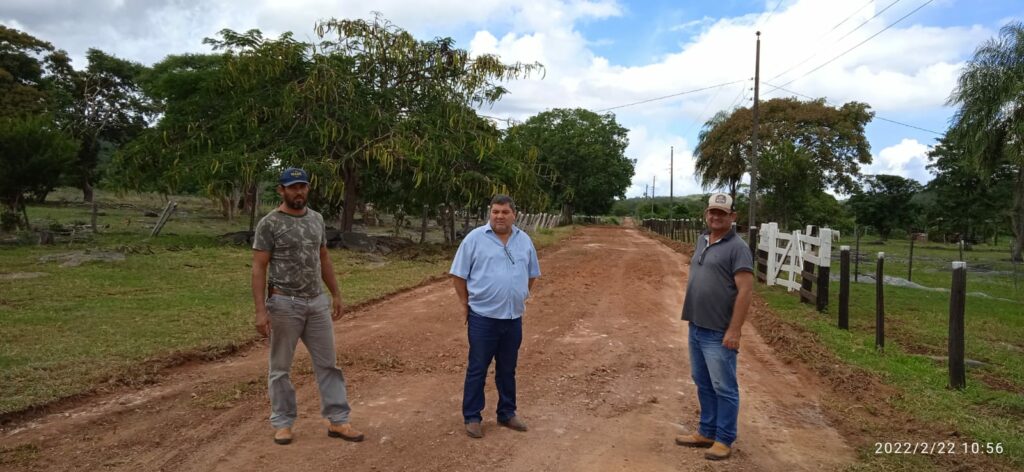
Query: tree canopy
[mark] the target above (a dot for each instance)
(988, 125)
(584, 153)
(885, 203)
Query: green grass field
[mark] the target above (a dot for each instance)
(991, 408)
(69, 330)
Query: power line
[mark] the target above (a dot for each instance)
(707, 105)
(848, 33)
(856, 46)
(669, 96)
(821, 48)
(765, 20)
(740, 97)
(876, 116)
(848, 17)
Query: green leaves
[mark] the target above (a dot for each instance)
(885, 203)
(988, 125)
(33, 151)
(833, 138)
(583, 154)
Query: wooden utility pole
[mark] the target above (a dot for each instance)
(752, 212)
(672, 178)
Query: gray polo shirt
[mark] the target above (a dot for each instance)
(711, 292)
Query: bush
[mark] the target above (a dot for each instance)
(9, 221)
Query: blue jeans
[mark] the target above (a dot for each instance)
(713, 367)
(491, 338)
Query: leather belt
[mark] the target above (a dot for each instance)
(271, 291)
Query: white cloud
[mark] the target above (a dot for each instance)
(910, 67)
(653, 153)
(907, 159)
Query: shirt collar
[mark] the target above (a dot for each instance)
(728, 236)
(515, 229)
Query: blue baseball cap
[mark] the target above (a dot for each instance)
(293, 175)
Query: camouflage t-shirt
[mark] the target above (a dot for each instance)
(294, 245)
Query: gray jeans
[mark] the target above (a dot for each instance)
(309, 319)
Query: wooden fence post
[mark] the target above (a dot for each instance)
(844, 287)
(171, 206)
(761, 260)
(880, 303)
(910, 262)
(824, 267)
(807, 272)
(856, 255)
(752, 242)
(957, 299)
(771, 239)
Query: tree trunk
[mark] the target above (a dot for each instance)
(87, 192)
(1017, 217)
(350, 177)
(24, 213)
(423, 224)
(448, 223)
(451, 223)
(254, 203)
(95, 211)
(226, 209)
(567, 211)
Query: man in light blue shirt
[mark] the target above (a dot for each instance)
(493, 272)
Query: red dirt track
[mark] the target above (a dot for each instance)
(603, 384)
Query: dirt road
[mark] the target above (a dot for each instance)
(603, 383)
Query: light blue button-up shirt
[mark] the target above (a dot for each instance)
(497, 275)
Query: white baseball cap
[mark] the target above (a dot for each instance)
(720, 201)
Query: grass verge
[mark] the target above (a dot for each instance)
(67, 331)
(900, 394)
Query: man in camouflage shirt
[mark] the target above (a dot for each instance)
(291, 305)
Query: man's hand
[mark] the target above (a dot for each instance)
(465, 313)
(262, 323)
(731, 339)
(337, 310)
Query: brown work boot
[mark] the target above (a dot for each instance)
(514, 423)
(694, 440)
(344, 431)
(474, 430)
(717, 452)
(283, 436)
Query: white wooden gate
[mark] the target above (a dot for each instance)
(785, 253)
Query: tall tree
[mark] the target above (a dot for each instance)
(585, 153)
(789, 184)
(980, 200)
(25, 62)
(102, 106)
(989, 121)
(885, 203)
(33, 150)
(222, 119)
(376, 88)
(833, 138)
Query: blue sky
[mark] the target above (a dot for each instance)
(605, 53)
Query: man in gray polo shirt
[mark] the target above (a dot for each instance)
(716, 304)
(292, 242)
